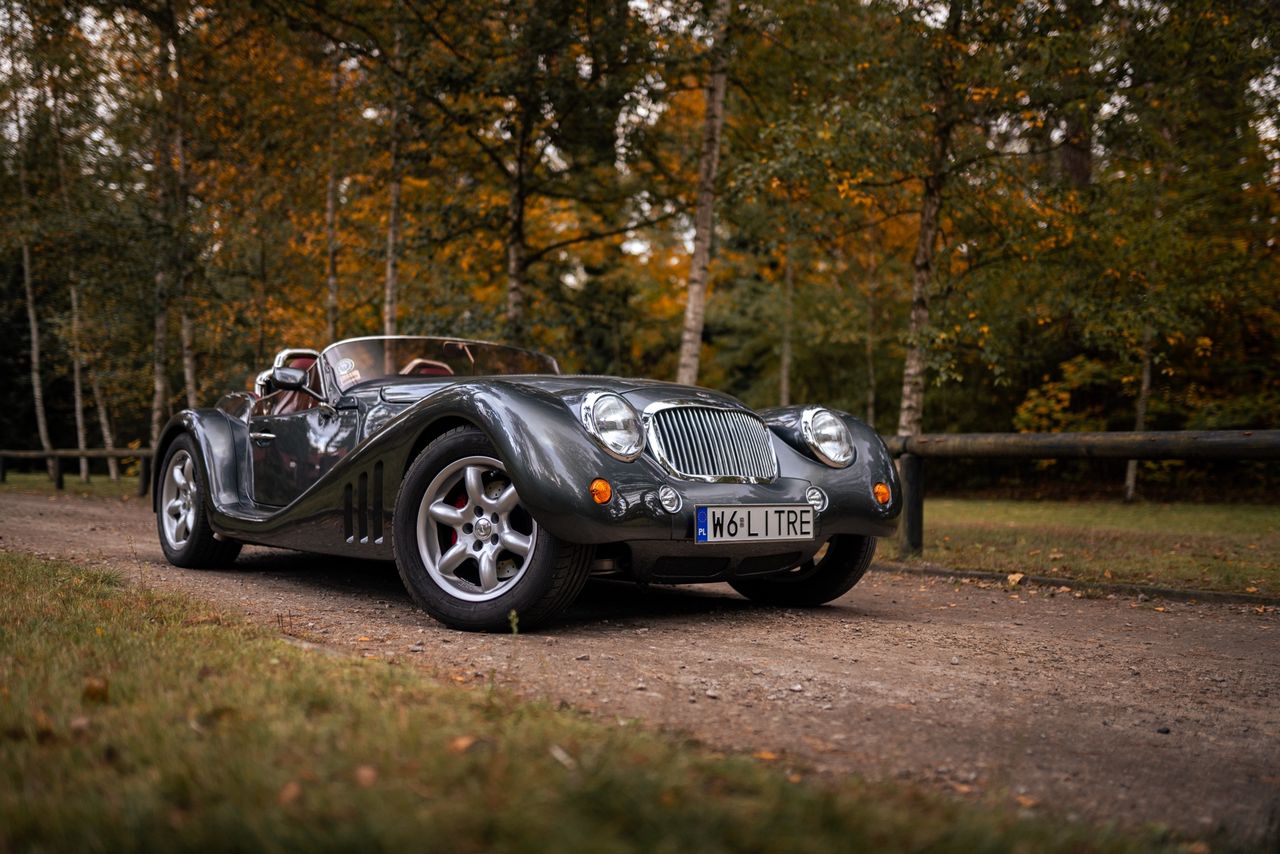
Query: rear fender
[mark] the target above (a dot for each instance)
(221, 442)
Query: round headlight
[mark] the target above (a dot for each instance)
(827, 436)
(614, 423)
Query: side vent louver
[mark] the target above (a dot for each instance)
(358, 519)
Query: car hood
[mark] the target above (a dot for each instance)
(640, 392)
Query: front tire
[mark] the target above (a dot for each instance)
(468, 551)
(182, 519)
(827, 577)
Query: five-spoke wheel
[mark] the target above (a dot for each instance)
(186, 536)
(177, 499)
(468, 550)
(474, 538)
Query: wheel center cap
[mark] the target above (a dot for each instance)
(483, 528)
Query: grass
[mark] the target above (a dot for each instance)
(99, 485)
(1191, 546)
(130, 719)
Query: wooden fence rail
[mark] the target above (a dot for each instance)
(58, 455)
(911, 451)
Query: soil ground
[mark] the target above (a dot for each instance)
(1113, 710)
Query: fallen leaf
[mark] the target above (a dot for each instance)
(366, 776)
(1026, 801)
(364, 638)
(1251, 590)
(1160, 608)
(795, 778)
(562, 756)
(289, 793)
(95, 690)
(962, 788)
(1015, 578)
(765, 755)
(461, 743)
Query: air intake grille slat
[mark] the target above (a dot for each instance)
(703, 442)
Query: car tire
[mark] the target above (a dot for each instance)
(182, 515)
(815, 582)
(459, 532)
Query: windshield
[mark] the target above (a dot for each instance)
(362, 359)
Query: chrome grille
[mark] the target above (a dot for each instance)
(707, 443)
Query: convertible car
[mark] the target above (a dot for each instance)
(497, 485)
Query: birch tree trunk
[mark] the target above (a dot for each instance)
(159, 360)
(911, 413)
(392, 290)
(28, 288)
(33, 324)
(104, 424)
(870, 344)
(73, 287)
(331, 215)
(77, 387)
(784, 358)
(1140, 417)
(187, 338)
(704, 216)
(516, 252)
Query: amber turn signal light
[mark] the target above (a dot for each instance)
(601, 491)
(880, 491)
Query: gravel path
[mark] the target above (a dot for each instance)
(1104, 709)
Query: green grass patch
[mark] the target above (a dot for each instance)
(1221, 547)
(99, 485)
(135, 720)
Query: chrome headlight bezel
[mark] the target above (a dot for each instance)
(815, 427)
(590, 414)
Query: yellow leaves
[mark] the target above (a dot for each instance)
(1204, 346)
(1015, 578)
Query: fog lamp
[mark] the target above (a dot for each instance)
(669, 498)
(816, 497)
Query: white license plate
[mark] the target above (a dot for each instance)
(753, 523)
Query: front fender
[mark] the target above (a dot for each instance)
(850, 488)
(548, 455)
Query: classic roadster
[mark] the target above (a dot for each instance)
(498, 485)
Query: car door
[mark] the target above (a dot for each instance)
(294, 442)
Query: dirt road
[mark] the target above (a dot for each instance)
(1104, 709)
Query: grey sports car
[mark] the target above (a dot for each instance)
(497, 485)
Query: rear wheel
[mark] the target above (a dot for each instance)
(467, 549)
(838, 566)
(182, 520)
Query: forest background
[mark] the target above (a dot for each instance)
(938, 216)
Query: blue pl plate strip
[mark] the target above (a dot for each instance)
(700, 534)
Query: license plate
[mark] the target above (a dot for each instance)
(753, 523)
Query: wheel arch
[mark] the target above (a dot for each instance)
(214, 435)
(434, 430)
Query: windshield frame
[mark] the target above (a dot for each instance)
(437, 341)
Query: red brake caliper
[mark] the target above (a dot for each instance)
(459, 502)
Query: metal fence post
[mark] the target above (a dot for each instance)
(911, 473)
(57, 474)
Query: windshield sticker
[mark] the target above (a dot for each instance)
(346, 366)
